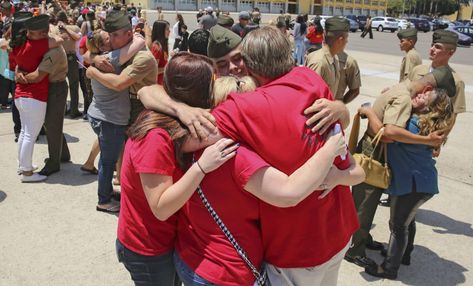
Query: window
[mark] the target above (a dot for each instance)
(367, 2)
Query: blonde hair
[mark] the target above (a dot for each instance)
(225, 85)
(94, 42)
(439, 115)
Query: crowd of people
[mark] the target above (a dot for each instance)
(230, 146)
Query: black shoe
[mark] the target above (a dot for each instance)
(85, 117)
(362, 261)
(385, 202)
(63, 160)
(47, 171)
(406, 258)
(74, 115)
(379, 271)
(375, 245)
(16, 137)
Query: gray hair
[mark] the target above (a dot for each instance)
(267, 53)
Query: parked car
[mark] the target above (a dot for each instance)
(438, 24)
(356, 19)
(362, 21)
(465, 30)
(384, 23)
(463, 40)
(403, 24)
(420, 24)
(354, 26)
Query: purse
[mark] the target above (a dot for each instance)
(377, 174)
(261, 278)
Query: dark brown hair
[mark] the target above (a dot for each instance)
(187, 78)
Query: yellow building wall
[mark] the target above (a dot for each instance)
(465, 13)
(304, 6)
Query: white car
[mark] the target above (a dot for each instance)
(384, 23)
(403, 24)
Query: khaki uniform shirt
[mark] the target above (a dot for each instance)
(411, 60)
(326, 66)
(54, 62)
(143, 68)
(394, 106)
(69, 44)
(349, 75)
(459, 102)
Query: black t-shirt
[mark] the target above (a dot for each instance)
(238, 29)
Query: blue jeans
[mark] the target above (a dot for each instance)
(111, 138)
(299, 51)
(148, 270)
(187, 275)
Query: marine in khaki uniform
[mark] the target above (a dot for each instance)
(140, 71)
(55, 64)
(71, 34)
(407, 41)
(393, 108)
(349, 77)
(325, 61)
(443, 48)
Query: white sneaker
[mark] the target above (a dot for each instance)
(33, 178)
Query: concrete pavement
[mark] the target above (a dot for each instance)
(50, 233)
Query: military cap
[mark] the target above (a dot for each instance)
(445, 37)
(244, 15)
(40, 22)
(6, 5)
(116, 21)
(221, 41)
(337, 23)
(444, 78)
(407, 33)
(225, 20)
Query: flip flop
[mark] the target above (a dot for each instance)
(112, 209)
(93, 171)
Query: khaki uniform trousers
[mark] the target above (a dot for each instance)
(54, 122)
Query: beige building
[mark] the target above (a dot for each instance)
(321, 7)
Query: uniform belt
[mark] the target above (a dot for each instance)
(133, 96)
(57, 81)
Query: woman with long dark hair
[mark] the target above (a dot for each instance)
(176, 31)
(160, 46)
(90, 25)
(300, 31)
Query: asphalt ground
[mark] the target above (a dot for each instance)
(50, 233)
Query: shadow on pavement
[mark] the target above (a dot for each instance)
(443, 224)
(69, 138)
(71, 175)
(427, 269)
(3, 196)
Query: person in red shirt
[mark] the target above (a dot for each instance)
(159, 46)
(31, 98)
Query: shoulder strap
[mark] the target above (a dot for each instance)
(355, 132)
(260, 279)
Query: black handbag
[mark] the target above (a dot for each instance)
(261, 277)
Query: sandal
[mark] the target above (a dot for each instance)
(93, 171)
(114, 207)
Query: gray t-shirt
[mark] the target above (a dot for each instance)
(107, 104)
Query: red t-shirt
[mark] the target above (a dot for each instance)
(271, 121)
(201, 243)
(138, 229)
(314, 36)
(162, 58)
(83, 46)
(28, 57)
